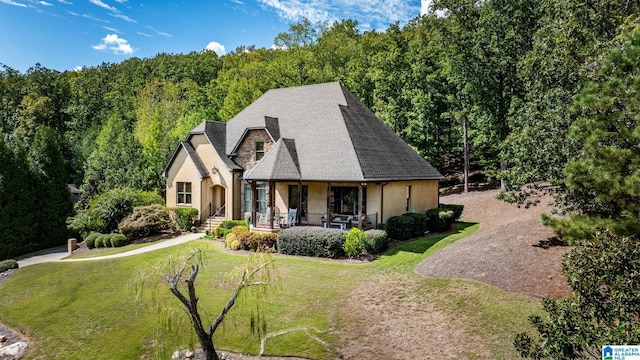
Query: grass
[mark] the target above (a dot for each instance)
(77, 310)
(107, 251)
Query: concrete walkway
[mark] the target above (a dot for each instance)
(59, 254)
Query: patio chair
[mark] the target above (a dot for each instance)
(291, 218)
(266, 217)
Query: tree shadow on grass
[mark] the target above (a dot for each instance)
(421, 245)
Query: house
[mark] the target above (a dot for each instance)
(312, 154)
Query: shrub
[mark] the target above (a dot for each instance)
(258, 241)
(310, 241)
(118, 240)
(375, 241)
(145, 220)
(232, 241)
(106, 210)
(230, 224)
(185, 218)
(354, 243)
(440, 220)
(100, 241)
(8, 265)
(420, 224)
(400, 227)
(217, 231)
(457, 210)
(90, 240)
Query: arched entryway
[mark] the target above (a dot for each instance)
(218, 200)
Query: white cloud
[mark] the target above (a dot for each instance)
(103, 5)
(144, 34)
(426, 5)
(116, 44)
(370, 14)
(216, 47)
(65, 2)
(44, 3)
(123, 17)
(112, 29)
(10, 2)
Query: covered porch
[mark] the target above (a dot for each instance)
(277, 205)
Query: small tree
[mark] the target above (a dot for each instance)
(604, 273)
(255, 275)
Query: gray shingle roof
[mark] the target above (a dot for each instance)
(279, 164)
(195, 158)
(333, 136)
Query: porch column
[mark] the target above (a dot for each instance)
(329, 206)
(272, 196)
(298, 212)
(254, 202)
(360, 201)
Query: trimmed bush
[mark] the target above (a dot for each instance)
(232, 241)
(354, 243)
(185, 218)
(8, 264)
(255, 241)
(375, 241)
(100, 241)
(440, 220)
(118, 240)
(217, 231)
(457, 210)
(420, 224)
(145, 220)
(90, 240)
(311, 241)
(400, 227)
(230, 224)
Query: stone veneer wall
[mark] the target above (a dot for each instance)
(246, 157)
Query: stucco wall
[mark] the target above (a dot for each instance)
(183, 170)
(424, 196)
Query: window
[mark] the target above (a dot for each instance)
(247, 197)
(262, 198)
(259, 150)
(184, 193)
(345, 200)
(408, 198)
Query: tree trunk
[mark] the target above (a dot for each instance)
(466, 153)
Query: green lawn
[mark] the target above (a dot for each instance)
(78, 310)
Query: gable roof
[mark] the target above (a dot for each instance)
(192, 154)
(216, 133)
(332, 136)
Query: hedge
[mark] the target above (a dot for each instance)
(457, 210)
(354, 243)
(90, 240)
(440, 220)
(311, 241)
(230, 224)
(118, 240)
(375, 241)
(8, 264)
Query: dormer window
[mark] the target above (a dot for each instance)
(259, 150)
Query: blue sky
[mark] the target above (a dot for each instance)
(66, 34)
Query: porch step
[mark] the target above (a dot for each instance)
(210, 223)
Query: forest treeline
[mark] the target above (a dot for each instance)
(510, 69)
(548, 89)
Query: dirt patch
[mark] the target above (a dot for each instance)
(385, 319)
(511, 250)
